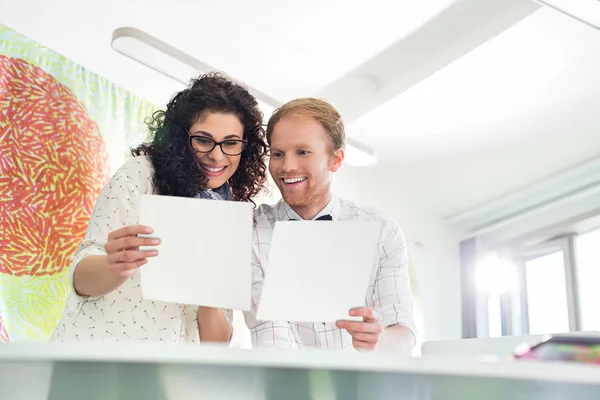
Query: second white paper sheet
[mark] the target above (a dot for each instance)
(317, 270)
(205, 253)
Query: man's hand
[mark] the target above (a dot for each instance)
(365, 334)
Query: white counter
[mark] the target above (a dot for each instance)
(155, 371)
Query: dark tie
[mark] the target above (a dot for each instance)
(325, 217)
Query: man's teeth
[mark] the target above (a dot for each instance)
(212, 169)
(293, 180)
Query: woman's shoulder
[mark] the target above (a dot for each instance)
(137, 171)
(138, 164)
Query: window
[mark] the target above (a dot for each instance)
(541, 300)
(587, 256)
(546, 294)
(557, 289)
(494, 315)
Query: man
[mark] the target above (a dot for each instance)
(307, 141)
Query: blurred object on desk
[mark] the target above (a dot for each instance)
(502, 347)
(575, 348)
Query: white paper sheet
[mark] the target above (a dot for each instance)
(317, 270)
(205, 253)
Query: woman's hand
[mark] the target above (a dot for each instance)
(213, 325)
(123, 249)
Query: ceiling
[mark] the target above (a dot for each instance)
(463, 100)
(513, 111)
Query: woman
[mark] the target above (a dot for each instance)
(209, 143)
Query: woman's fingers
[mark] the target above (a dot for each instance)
(128, 242)
(130, 230)
(123, 249)
(126, 269)
(128, 256)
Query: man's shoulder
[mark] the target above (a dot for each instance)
(352, 210)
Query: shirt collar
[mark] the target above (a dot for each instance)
(285, 212)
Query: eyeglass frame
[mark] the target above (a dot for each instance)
(215, 143)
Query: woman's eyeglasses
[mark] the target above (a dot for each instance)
(231, 147)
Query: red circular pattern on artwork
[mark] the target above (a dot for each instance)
(53, 164)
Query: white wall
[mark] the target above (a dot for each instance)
(432, 249)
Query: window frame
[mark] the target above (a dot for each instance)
(566, 244)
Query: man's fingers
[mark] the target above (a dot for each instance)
(365, 334)
(368, 314)
(374, 318)
(364, 337)
(131, 230)
(361, 312)
(128, 242)
(359, 326)
(359, 345)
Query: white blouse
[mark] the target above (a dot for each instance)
(123, 314)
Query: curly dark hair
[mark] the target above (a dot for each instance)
(177, 170)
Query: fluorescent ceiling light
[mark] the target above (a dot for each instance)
(587, 11)
(166, 59)
(181, 67)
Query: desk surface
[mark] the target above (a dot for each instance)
(485, 366)
(206, 365)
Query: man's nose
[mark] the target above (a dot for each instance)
(289, 164)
